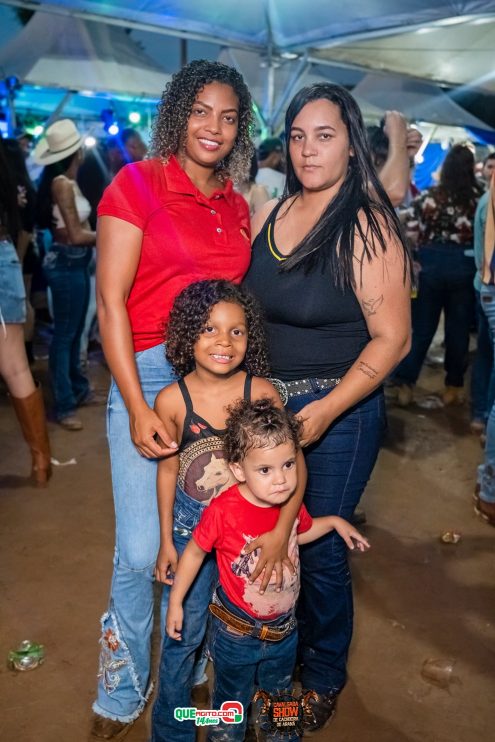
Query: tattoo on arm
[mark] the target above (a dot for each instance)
(371, 305)
(369, 371)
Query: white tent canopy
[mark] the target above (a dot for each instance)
(56, 51)
(454, 53)
(416, 99)
(279, 45)
(285, 25)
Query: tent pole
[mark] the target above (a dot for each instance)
(11, 117)
(183, 53)
(270, 94)
(56, 113)
(270, 76)
(302, 67)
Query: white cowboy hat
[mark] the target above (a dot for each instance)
(61, 139)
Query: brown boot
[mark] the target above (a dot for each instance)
(30, 412)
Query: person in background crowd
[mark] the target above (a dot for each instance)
(394, 145)
(488, 168)
(333, 277)
(62, 209)
(482, 377)
(25, 141)
(100, 165)
(256, 195)
(25, 395)
(125, 147)
(93, 177)
(440, 222)
(485, 490)
(271, 168)
(26, 248)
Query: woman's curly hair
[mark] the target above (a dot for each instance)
(189, 317)
(258, 424)
(170, 126)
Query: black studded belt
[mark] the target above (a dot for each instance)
(290, 389)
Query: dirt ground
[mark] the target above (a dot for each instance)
(416, 598)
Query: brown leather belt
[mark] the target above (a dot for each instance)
(264, 632)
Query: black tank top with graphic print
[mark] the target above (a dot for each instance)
(203, 471)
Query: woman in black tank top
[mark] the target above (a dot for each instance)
(333, 276)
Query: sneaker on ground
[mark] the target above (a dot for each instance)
(71, 422)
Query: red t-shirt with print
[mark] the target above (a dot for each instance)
(187, 237)
(228, 524)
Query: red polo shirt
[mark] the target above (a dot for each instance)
(187, 237)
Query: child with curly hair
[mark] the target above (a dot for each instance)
(216, 345)
(253, 637)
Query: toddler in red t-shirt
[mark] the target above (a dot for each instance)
(253, 637)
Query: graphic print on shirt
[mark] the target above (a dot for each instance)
(271, 602)
(203, 471)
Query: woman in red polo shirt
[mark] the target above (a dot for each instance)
(163, 223)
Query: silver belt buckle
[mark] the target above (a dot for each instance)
(281, 389)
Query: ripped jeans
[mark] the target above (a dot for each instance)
(178, 657)
(124, 672)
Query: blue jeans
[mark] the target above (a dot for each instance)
(67, 274)
(178, 657)
(12, 291)
(124, 676)
(243, 663)
(445, 282)
(486, 470)
(483, 376)
(91, 311)
(339, 466)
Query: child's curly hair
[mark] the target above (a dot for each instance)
(189, 317)
(258, 425)
(174, 109)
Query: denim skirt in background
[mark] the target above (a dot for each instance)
(12, 291)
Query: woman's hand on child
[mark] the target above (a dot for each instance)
(145, 426)
(350, 535)
(175, 616)
(272, 559)
(166, 564)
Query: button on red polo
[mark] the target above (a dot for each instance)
(182, 242)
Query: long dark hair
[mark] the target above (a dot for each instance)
(9, 211)
(44, 202)
(17, 161)
(457, 178)
(361, 204)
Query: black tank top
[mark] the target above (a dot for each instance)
(203, 471)
(314, 329)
